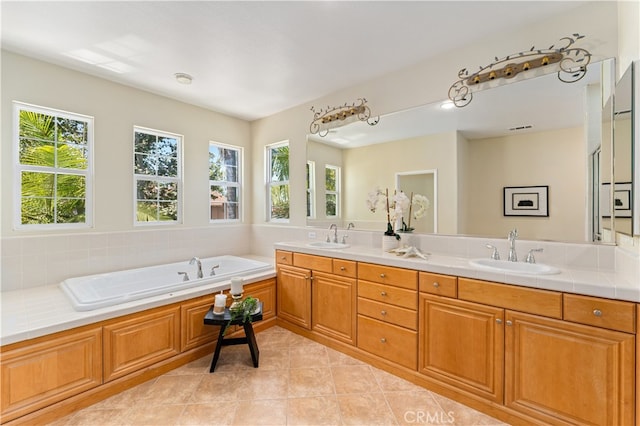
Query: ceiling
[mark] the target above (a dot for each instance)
(253, 59)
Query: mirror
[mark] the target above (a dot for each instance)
(527, 134)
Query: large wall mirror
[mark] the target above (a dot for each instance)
(534, 139)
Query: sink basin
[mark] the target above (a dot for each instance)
(327, 245)
(514, 267)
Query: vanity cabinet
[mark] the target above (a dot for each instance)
(49, 369)
(294, 295)
(387, 313)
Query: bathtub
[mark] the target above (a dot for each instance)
(101, 290)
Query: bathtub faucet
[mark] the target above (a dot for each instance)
(197, 260)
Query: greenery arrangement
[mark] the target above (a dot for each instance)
(244, 311)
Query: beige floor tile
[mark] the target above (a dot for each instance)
(261, 412)
(390, 383)
(306, 355)
(365, 409)
(208, 414)
(199, 366)
(265, 384)
(463, 415)
(219, 386)
(310, 382)
(85, 417)
(316, 410)
(416, 407)
(354, 379)
(338, 358)
(171, 390)
(153, 415)
(274, 358)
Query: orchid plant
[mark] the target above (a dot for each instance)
(398, 207)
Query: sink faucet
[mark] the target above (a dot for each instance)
(513, 235)
(335, 232)
(197, 260)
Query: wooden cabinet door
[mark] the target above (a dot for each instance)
(194, 332)
(562, 372)
(294, 295)
(462, 344)
(334, 306)
(49, 370)
(141, 340)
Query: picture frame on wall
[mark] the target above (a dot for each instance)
(622, 200)
(526, 201)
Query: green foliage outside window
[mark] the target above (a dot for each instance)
(279, 192)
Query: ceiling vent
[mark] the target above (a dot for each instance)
(518, 128)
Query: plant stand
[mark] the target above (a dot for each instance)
(223, 321)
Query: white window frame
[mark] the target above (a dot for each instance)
(238, 185)
(270, 183)
(19, 168)
(162, 179)
(336, 192)
(311, 189)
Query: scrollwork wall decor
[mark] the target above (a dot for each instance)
(323, 118)
(572, 62)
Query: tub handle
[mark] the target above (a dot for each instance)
(185, 276)
(213, 270)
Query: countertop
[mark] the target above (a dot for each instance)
(590, 282)
(38, 311)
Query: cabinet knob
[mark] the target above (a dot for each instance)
(509, 323)
(342, 268)
(383, 293)
(383, 312)
(382, 275)
(498, 320)
(306, 277)
(597, 312)
(436, 284)
(283, 258)
(383, 340)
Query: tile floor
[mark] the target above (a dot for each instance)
(299, 382)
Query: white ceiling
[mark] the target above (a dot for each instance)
(253, 59)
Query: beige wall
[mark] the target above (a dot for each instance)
(116, 109)
(554, 158)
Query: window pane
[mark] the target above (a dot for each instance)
(232, 194)
(168, 191)
(230, 157)
(36, 184)
(168, 210)
(70, 210)
(280, 202)
(308, 204)
(330, 179)
(331, 205)
(279, 164)
(231, 211)
(215, 164)
(36, 211)
(147, 190)
(71, 186)
(71, 157)
(147, 211)
(37, 153)
(37, 126)
(167, 166)
(167, 146)
(72, 131)
(144, 142)
(145, 164)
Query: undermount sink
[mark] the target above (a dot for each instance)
(327, 245)
(514, 267)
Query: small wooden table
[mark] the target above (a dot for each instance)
(223, 321)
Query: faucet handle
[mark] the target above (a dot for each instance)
(344, 239)
(213, 270)
(185, 276)
(494, 255)
(530, 258)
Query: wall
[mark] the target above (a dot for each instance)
(31, 258)
(323, 155)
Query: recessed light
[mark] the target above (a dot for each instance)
(183, 78)
(447, 105)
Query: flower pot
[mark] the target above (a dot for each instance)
(389, 242)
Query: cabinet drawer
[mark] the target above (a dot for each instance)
(442, 285)
(309, 261)
(388, 294)
(529, 300)
(284, 257)
(345, 268)
(605, 313)
(388, 275)
(388, 313)
(389, 341)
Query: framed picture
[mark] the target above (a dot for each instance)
(621, 199)
(526, 201)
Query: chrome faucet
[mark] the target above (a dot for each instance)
(530, 258)
(197, 260)
(513, 235)
(351, 225)
(335, 232)
(494, 252)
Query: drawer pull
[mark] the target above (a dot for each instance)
(383, 293)
(436, 284)
(383, 313)
(597, 312)
(283, 258)
(381, 275)
(509, 323)
(498, 320)
(342, 268)
(383, 340)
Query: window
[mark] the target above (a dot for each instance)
(311, 179)
(53, 167)
(278, 181)
(157, 176)
(224, 182)
(332, 190)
